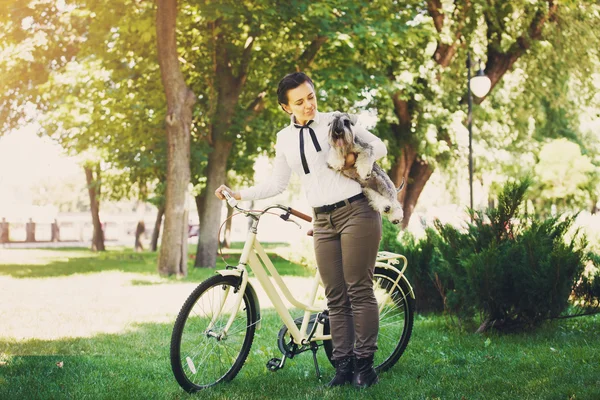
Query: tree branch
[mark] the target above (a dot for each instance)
(308, 56)
(499, 63)
(434, 8)
(444, 53)
(245, 60)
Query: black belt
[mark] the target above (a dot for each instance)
(330, 207)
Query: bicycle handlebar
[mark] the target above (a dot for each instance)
(300, 215)
(234, 203)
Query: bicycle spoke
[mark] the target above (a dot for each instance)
(205, 354)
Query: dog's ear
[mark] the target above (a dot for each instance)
(353, 118)
(334, 115)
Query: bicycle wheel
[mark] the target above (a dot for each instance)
(396, 315)
(201, 354)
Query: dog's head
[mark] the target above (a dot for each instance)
(340, 130)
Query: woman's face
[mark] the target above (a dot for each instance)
(302, 103)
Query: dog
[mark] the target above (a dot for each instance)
(376, 184)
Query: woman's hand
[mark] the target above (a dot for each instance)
(222, 188)
(350, 160)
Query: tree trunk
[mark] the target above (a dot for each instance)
(210, 206)
(408, 166)
(55, 231)
(4, 231)
(30, 231)
(415, 174)
(156, 231)
(93, 184)
(228, 85)
(180, 100)
(139, 231)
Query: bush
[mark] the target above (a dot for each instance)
(507, 270)
(421, 255)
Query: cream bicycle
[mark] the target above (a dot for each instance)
(214, 330)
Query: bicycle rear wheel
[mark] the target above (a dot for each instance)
(202, 355)
(396, 316)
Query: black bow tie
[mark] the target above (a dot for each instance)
(313, 136)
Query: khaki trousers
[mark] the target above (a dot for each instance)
(346, 242)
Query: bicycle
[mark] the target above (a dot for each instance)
(214, 330)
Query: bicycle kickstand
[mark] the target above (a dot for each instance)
(314, 347)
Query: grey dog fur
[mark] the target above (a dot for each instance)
(376, 184)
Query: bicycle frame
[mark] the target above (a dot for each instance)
(254, 256)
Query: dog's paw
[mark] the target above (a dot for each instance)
(364, 169)
(334, 166)
(334, 162)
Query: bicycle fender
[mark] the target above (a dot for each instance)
(229, 272)
(249, 289)
(394, 271)
(252, 293)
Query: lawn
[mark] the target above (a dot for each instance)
(75, 324)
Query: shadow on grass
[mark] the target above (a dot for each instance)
(39, 263)
(79, 261)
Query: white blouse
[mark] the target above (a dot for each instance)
(322, 185)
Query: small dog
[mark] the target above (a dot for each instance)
(376, 184)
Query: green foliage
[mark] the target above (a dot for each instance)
(97, 80)
(504, 269)
(507, 270)
(422, 255)
(587, 290)
(563, 174)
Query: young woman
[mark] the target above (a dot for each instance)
(347, 230)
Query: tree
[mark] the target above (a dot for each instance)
(422, 77)
(180, 99)
(36, 38)
(247, 55)
(563, 173)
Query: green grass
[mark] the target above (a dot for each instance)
(65, 262)
(560, 360)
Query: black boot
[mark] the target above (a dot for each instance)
(364, 374)
(344, 372)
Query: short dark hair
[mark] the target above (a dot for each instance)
(289, 82)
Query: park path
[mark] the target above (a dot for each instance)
(85, 305)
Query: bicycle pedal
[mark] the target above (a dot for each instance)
(274, 364)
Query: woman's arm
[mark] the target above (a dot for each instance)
(276, 183)
(379, 149)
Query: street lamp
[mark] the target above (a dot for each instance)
(479, 85)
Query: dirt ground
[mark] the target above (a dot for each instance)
(83, 305)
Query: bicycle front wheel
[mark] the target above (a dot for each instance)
(202, 353)
(396, 316)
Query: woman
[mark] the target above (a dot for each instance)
(347, 230)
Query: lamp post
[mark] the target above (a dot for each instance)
(479, 86)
